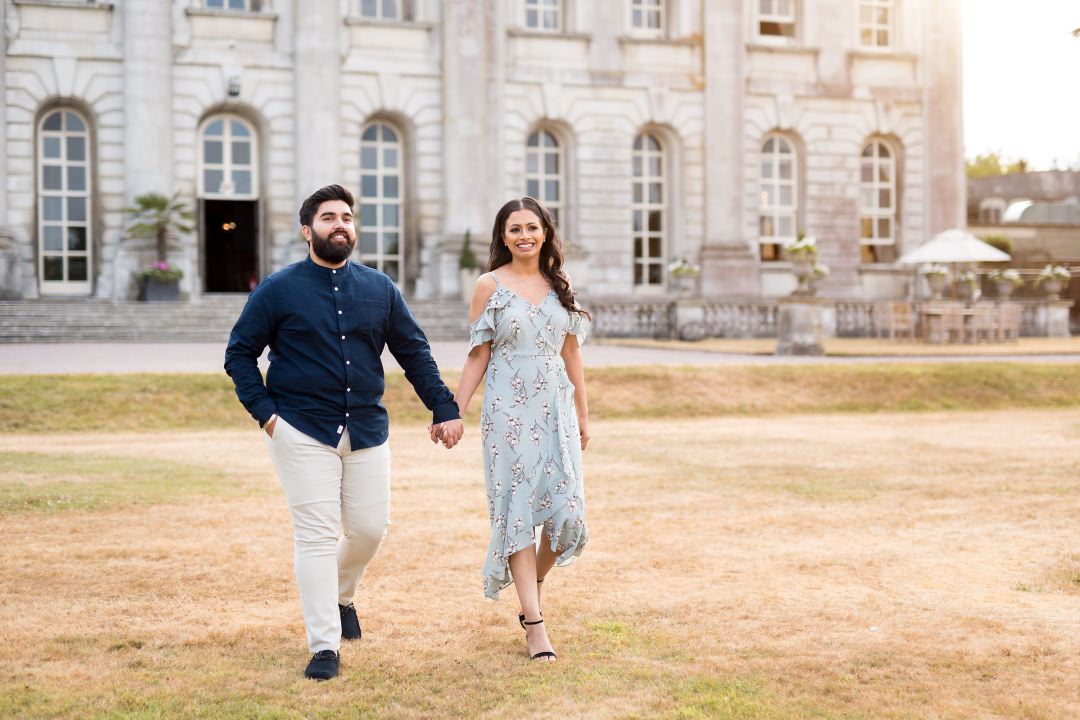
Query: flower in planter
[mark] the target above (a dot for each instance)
(969, 278)
(934, 270)
(819, 271)
(1008, 275)
(1054, 272)
(161, 272)
(681, 267)
(802, 248)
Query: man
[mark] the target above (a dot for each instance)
(327, 321)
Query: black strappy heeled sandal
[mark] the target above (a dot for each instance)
(521, 616)
(545, 653)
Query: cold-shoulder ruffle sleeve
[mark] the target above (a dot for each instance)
(483, 330)
(580, 326)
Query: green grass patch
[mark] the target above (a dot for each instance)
(36, 482)
(124, 403)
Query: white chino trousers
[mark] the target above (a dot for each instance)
(339, 501)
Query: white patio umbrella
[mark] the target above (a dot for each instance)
(954, 246)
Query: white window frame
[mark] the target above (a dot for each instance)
(991, 210)
(771, 190)
(380, 11)
(227, 166)
(64, 286)
(874, 27)
(772, 14)
(536, 10)
(548, 145)
(642, 206)
(380, 257)
(640, 10)
(882, 158)
(248, 5)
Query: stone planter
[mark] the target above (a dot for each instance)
(802, 266)
(684, 285)
(936, 283)
(1004, 288)
(160, 290)
(967, 292)
(1052, 288)
(800, 327)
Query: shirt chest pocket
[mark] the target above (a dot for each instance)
(364, 317)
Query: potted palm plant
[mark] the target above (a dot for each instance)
(468, 267)
(156, 215)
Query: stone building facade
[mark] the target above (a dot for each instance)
(711, 130)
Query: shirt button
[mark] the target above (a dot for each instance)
(346, 414)
(342, 337)
(348, 362)
(338, 312)
(334, 271)
(335, 288)
(348, 389)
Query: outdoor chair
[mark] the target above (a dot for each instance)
(1009, 322)
(899, 320)
(983, 324)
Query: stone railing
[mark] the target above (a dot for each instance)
(631, 318)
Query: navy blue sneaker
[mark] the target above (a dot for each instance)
(323, 666)
(350, 624)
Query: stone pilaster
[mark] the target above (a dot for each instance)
(469, 132)
(9, 261)
(729, 266)
(317, 63)
(947, 189)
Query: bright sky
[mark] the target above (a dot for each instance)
(1021, 89)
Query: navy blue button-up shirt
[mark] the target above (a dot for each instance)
(326, 329)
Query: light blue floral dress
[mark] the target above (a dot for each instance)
(529, 430)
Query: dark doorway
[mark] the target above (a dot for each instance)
(230, 250)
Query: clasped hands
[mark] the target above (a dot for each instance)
(449, 433)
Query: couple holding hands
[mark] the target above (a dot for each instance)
(326, 321)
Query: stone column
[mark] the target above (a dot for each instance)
(729, 266)
(148, 137)
(8, 257)
(947, 189)
(468, 32)
(317, 63)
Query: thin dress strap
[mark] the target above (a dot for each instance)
(492, 273)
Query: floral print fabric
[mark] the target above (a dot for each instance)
(529, 430)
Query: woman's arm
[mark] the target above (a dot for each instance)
(575, 370)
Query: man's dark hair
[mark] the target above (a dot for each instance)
(317, 198)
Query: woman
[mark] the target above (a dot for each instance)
(525, 336)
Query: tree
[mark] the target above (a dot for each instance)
(155, 215)
(991, 164)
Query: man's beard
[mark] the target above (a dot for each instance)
(329, 250)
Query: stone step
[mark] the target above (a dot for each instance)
(208, 319)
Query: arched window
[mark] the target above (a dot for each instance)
(877, 202)
(779, 202)
(544, 162)
(649, 210)
(64, 207)
(382, 183)
(227, 159)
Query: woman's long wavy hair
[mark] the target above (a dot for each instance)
(551, 256)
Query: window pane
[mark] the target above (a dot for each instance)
(215, 128)
(655, 167)
(77, 269)
(885, 173)
(655, 193)
(656, 276)
(767, 196)
(637, 142)
(638, 247)
(76, 149)
(551, 190)
(239, 129)
(534, 140)
(769, 146)
(389, 9)
(786, 199)
(52, 238)
(639, 192)
(637, 166)
(52, 208)
(639, 220)
(388, 135)
(882, 38)
(884, 199)
(242, 181)
(368, 8)
(866, 228)
(551, 163)
(51, 147)
(637, 18)
(52, 122)
(212, 180)
(54, 268)
(391, 269)
(390, 215)
(785, 169)
(654, 247)
(368, 243)
(766, 168)
(390, 243)
(867, 174)
(532, 188)
(866, 198)
(372, 133)
(532, 162)
(655, 221)
(765, 226)
(884, 228)
(51, 178)
(76, 209)
(390, 157)
(786, 229)
(73, 123)
(369, 158)
(369, 186)
(639, 275)
(390, 186)
(76, 239)
(241, 153)
(76, 177)
(369, 215)
(213, 152)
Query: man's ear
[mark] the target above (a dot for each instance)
(306, 232)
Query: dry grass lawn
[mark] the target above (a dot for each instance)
(869, 347)
(889, 565)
